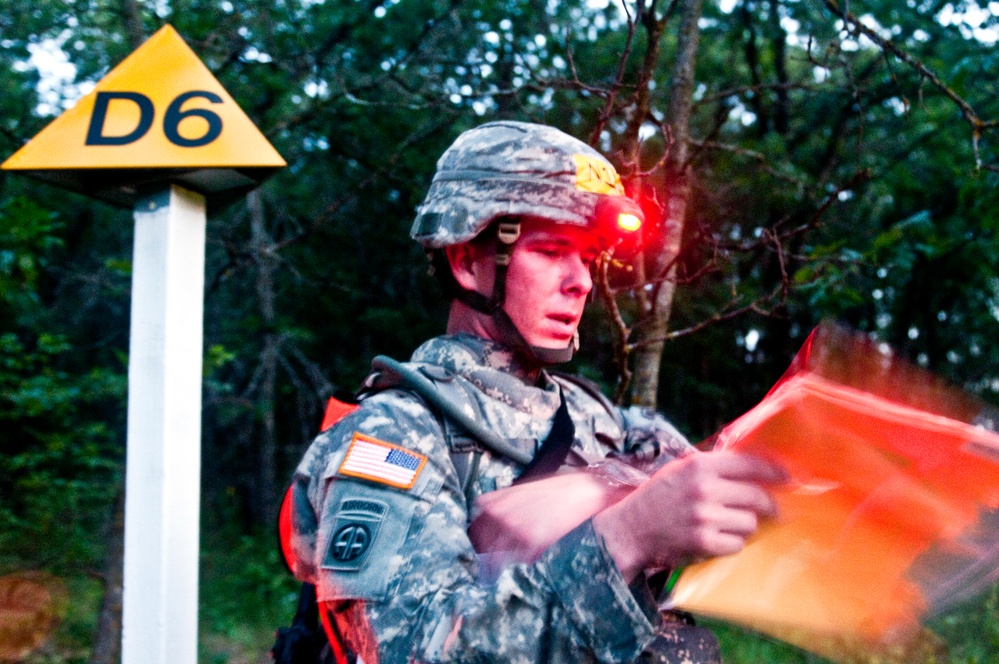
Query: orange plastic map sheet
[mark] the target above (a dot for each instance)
(891, 515)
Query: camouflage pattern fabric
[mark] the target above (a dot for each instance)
(391, 543)
(679, 641)
(511, 169)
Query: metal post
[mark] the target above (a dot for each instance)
(163, 470)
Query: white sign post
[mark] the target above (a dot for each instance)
(163, 471)
(158, 128)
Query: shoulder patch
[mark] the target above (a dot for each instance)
(377, 461)
(354, 530)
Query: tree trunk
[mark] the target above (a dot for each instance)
(131, 16)
(265, 498)
(782, 114)
(651, 335)
(107, 640)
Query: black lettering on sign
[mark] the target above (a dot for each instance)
(174, 116)
(95, 133)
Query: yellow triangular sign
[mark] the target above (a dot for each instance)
(159, 109)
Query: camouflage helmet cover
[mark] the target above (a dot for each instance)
(513, 169)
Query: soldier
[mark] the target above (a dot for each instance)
(515, 219)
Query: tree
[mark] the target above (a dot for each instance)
(797, 160)
(765, 112)
(60, 462)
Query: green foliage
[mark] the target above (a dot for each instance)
(60, 443)
(739, 646)
(972, 632)
(245, 594)
(70, 643)
(60, 463)
(28, 241)
(798, 123)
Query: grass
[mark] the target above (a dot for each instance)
(246, 594)
(740, 646)
(71, 642)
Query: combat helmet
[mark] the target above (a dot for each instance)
(501, 171)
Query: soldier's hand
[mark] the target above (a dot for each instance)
(525, 519)
(700, 506)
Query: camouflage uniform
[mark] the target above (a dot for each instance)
(381, 512)
(414, 574)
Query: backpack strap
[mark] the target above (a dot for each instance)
(418, 382)
(555, 448)
(591, 389)
(464, 448)
(465, 434)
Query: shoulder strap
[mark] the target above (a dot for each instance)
(465, 450)
(555, 447)
(414, 380)
(591, 389)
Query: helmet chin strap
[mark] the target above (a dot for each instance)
(507, 232)
(536, 355)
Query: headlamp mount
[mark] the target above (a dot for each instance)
(618, 221)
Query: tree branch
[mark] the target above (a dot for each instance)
(977, 124)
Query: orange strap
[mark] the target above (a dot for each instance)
(336, 410)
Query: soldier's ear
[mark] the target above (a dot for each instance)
(471, 265)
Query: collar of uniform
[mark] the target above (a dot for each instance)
(495, 369)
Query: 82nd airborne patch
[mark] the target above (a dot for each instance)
(354, 529)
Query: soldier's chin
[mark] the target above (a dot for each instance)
(551, 343)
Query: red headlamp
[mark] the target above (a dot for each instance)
(619, 220)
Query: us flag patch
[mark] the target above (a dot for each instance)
(372, 459)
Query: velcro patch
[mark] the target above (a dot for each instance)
(375, 460)
(354, 530)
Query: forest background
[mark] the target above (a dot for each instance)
(800, 160)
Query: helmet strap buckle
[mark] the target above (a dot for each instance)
(507, 232)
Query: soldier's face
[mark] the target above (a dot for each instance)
(548, 281)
